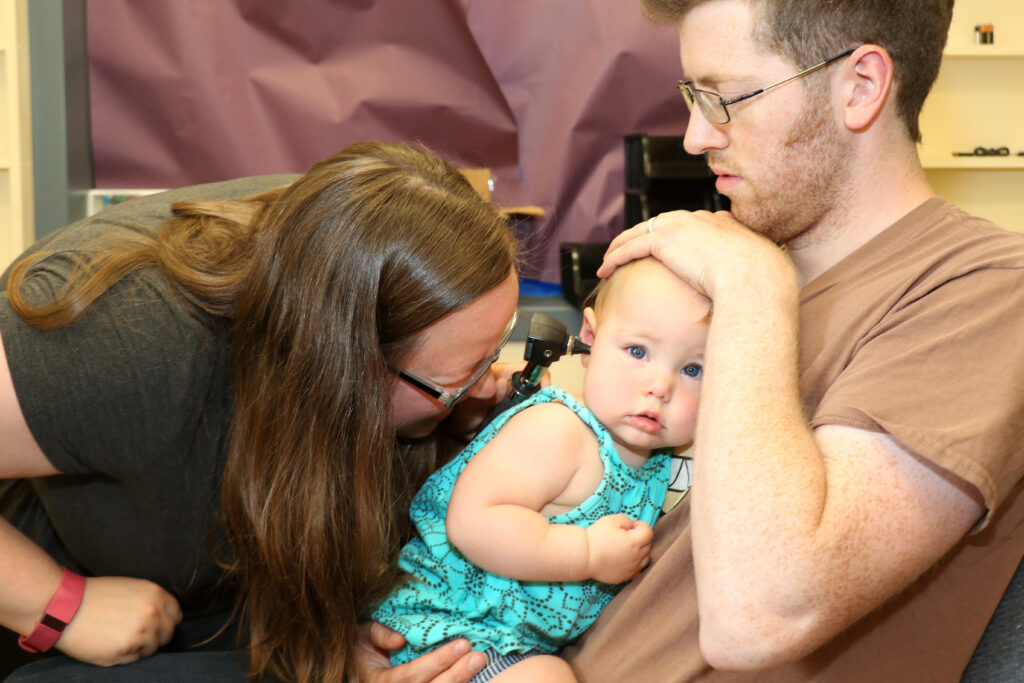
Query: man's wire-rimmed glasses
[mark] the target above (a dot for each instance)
(715, 108)
(450, 398)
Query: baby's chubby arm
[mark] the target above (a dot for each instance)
(543, 456)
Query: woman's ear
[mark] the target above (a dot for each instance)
(866, 86)
(587, 331)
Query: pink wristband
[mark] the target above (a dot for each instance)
(59, 613)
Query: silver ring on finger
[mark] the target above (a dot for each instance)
(650, 224)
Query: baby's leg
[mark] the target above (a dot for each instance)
(547, 668)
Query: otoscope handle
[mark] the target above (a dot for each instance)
(522, 385)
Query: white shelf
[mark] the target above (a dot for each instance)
(951, 163)
(16, 209)
(984, 52)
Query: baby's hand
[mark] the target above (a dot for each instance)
(619, 548)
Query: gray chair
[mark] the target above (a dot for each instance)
(999, 657)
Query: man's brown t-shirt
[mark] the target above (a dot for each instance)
(918, 334)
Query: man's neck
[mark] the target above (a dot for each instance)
(889, 188)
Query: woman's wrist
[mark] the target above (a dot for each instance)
(62, 608)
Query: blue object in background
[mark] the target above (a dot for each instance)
(539, 288)
(537, 296)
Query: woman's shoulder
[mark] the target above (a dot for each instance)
(142, 213)
(150, 210)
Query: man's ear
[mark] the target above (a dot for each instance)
(587, 332)
(866, 86)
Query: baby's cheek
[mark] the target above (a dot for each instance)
(686, 416)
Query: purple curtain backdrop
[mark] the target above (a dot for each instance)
(540, 91)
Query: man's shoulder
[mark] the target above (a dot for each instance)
(940, 213)
(943, 232)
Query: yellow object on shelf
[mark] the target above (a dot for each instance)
(482, 181)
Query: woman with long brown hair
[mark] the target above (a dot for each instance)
(218, 401)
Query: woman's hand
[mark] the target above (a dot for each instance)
(119, 621)
(493, 387)
(452, 662)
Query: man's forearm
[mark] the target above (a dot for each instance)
(759, 481)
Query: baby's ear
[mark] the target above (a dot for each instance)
(587, 332)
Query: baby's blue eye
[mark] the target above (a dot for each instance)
(637, 352)
(693, 370)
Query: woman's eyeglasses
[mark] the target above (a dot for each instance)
(450, 398)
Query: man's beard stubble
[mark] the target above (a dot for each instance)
(813, 168)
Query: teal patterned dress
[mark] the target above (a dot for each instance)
(449, 597)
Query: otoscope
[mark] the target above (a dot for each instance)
(546, 342)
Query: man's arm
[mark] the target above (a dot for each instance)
(797, 534)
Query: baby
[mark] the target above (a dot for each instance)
(527, 534)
